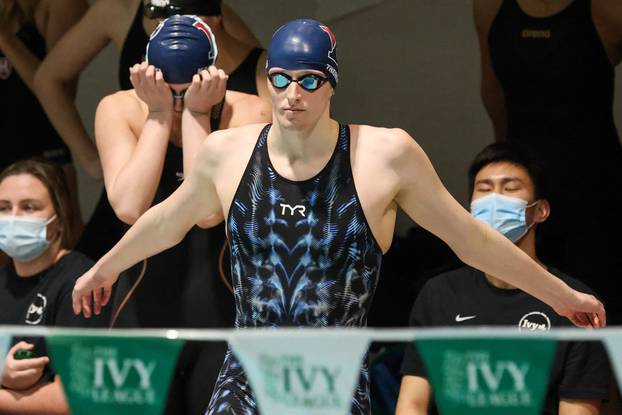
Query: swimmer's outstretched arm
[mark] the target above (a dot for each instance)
(424, 198)
(161, 227)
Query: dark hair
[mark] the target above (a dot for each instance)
(53, 178)
(515, 154)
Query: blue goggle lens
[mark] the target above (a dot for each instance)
(310, 82)
(279, 80)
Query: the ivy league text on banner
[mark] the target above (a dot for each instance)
(114, 375)
(301, 374)
(4, 348)
(488, 376)
(613, 343)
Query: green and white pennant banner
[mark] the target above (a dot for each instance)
(301, 373)
(613, 343)
(488, 376)
(4, 348)
(296, 372)
(105, 375)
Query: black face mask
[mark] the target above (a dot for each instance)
(196, 7)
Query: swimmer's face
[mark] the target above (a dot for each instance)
(296, 107)
(177, 91)
(512, 180)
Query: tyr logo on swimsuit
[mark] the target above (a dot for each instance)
(291, 209)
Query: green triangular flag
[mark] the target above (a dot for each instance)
(488, 376)
(105, 375)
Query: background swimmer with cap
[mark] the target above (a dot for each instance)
(133, 128)
(127, 25)
(310, 207)
(122, 22)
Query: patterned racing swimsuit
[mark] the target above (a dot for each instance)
(302, 254)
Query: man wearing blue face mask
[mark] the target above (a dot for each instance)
(508, 192)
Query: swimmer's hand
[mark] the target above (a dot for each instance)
(206, 90)
(150, 87)
(583, 310)
(92, 291)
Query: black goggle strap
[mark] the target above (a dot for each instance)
(152, 11)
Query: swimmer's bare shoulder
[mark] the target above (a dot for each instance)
(385, 145)
(384, 155)
(121, 107)
(224, 156)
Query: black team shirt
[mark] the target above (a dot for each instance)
(45, 300)
(464, 297)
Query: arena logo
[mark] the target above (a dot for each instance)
(6, 69)
(534, 321)
(291, 381)
(34, 315)
(480, 381)
(125, 381)
(536, 34)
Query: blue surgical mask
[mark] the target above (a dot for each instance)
(504, 213)
(24, 238)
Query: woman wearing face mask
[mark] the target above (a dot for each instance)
(35, 288)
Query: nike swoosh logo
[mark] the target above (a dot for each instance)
(460, 318)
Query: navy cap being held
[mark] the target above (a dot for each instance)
(180, 47)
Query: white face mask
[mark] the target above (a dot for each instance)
(24, 238)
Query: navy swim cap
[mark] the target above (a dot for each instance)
(305, 44)
(180, 47)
